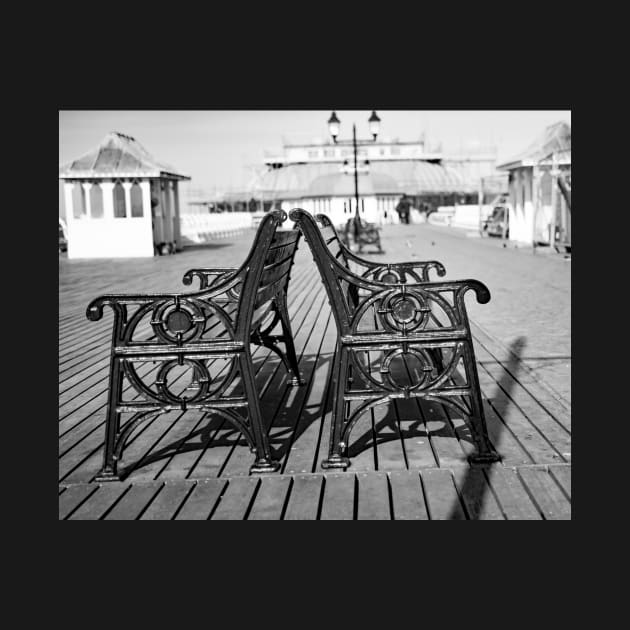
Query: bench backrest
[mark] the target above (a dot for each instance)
(335, 245)
(268, 271)
(275, 275)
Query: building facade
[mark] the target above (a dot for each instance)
(319, 177)
(539, 211)
(121, 202)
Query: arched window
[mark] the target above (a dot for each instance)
(136, 200)
(120, 207)
(78, 201)
(96, 201)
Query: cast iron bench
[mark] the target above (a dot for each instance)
(396, 338)
(363, 233)
(205, 335)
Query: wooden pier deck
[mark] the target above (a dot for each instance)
(408, 459)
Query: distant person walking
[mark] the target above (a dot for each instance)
(403, 208)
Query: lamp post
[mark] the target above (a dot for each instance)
(333, 127)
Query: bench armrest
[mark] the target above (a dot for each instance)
(375, 286)
(198, 307)
(205, 275)
(399, 272)
(364, 292)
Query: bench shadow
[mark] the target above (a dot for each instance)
(297, 414)
(387, 428)
(272, 407)
(401, 420)
(287, 431)
(476, 487)
(375, 435)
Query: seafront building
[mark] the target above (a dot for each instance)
(540, 189)
(121, 202)
(318, 176)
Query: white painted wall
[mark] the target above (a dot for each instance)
(522, 209)
(110, 238)
(177, 226)
(107, 237)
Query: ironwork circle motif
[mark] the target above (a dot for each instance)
(200, 376)
(389, 277)
(424, 371)
(404, 311)
(179, 322)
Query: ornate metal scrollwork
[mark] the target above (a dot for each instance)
(210, 277)
(404, 312)
(423, 370)
(180, 320)
(201, 382)
(401, 273)
(418, 363)
(403, 309)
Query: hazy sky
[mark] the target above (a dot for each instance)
(220, 148)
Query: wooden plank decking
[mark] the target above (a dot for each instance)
(408, 459)
(526, 493)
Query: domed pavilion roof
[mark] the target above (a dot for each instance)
(380, 177)
(118, 155)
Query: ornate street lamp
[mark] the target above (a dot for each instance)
(333, 127)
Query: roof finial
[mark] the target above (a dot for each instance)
(123, 135)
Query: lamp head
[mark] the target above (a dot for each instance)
(333, 126)
(375, 124)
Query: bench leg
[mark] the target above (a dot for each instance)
(486, 453)
(294, 370)
(336, 449)
(264, 462)
(109, 470)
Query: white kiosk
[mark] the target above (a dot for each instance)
(121, 202)
(537, 211)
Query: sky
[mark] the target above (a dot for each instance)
(220, 149)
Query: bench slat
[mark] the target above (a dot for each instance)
(285, 237)
(275, 274)
(328, 232)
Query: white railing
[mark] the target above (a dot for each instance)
(201, 228)
(461, 216)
